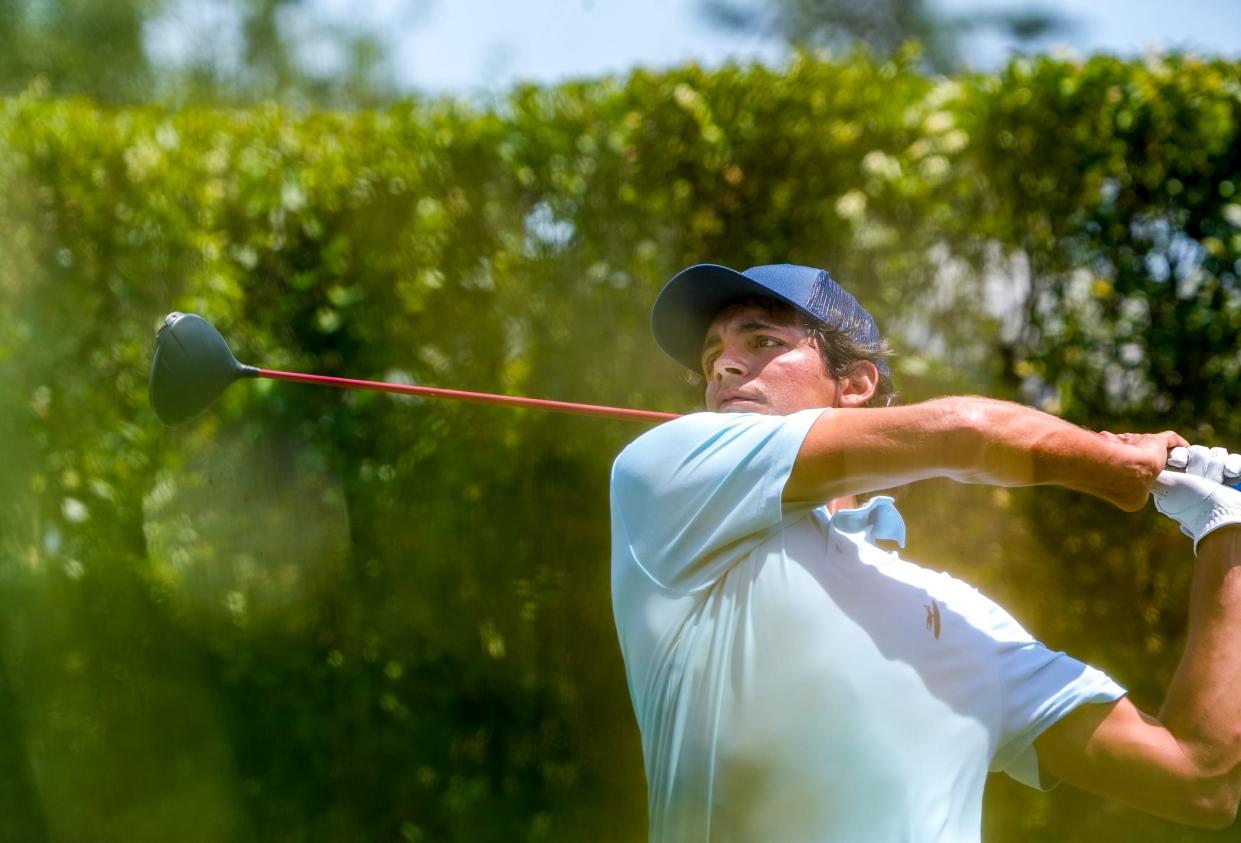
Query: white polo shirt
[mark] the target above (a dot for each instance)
(792, 680)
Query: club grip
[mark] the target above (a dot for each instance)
(1178, 460)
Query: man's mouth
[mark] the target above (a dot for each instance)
(735, 398)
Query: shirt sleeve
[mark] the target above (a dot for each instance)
(1040, 687)
(693, 496)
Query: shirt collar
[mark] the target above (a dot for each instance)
(877, 519)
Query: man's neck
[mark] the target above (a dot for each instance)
(838, 504)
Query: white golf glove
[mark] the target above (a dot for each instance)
(1196, 498)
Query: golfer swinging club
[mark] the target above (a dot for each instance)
(794, 679)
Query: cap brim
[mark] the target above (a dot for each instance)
(690, 300)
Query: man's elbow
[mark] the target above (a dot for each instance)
(1214, 805)
(1213, 814)
(1224, 819)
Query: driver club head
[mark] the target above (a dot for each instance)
(191, 367)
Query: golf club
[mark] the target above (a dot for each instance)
(193, 365)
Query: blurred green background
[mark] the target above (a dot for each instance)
(314, 615)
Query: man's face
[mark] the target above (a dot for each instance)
(760, 362)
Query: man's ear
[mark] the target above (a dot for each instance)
(858, 387)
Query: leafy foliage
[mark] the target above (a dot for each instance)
(324, 615)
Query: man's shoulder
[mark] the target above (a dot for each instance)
(705, 428)
(692, 435)
(671, 436)
(654, 449)
(706, 447)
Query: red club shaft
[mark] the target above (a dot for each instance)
(475, 397)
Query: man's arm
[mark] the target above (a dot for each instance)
(972, 440)
(1185, 765)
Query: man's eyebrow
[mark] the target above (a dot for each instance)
(749, 326)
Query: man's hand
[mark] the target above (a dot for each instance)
(1139, 459)
(1197, 498)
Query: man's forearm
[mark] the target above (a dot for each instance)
(973, 440)
(1021, 446)
(1203, 706)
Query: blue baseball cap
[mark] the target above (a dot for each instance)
(686, 305)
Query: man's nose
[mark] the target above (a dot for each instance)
(728, 363)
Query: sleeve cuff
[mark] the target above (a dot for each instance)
(1024, 766)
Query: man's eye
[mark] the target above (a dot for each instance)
(767, 342)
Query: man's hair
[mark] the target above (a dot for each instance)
(840, 352)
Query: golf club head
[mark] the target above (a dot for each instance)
(192, 366)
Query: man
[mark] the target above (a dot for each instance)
(794, 679)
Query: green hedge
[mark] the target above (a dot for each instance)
(315, 615)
